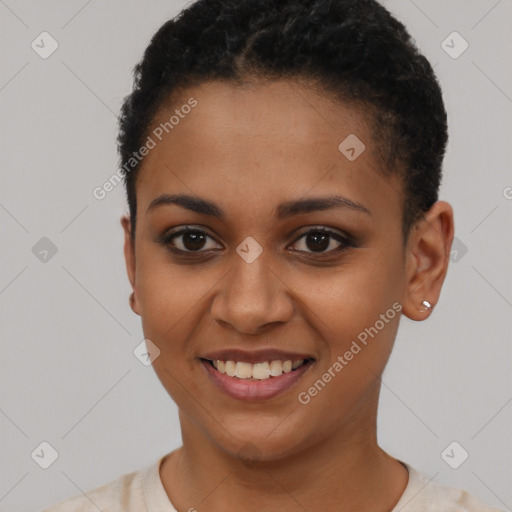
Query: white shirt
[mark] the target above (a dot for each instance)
(143, 491)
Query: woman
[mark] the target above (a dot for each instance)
(282, 161)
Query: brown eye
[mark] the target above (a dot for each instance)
(317, 242)
(189, 240)
(193, 240)
(322, 241)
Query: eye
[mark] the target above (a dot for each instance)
(321, 241)
(188, 240)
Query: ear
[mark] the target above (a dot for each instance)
(129, 256)
(427, 258)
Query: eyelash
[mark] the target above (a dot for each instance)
(345, 240)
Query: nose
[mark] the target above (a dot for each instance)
(252, 297)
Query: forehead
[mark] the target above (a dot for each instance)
(260, 142)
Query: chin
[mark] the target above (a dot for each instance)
(254, 443)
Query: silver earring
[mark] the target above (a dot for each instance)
(426, 306)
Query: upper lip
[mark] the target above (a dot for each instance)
(254, 356)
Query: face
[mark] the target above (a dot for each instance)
(288, 249)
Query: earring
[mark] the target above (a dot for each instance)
(426, 306)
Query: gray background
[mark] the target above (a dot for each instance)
(68, 374)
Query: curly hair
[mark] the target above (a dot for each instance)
(355, 51)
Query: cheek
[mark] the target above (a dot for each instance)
(170, 297)
(357, 314)
(359, 321)
(352, 297)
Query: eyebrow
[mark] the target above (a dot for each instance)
(283, 211)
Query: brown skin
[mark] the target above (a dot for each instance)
(248, 149)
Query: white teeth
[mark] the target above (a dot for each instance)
(243, 370)
(259, 371)
(276, 368)
(230, 368)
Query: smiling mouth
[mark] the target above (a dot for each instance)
(257, 371)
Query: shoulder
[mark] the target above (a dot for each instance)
(120, 495)
(424, 495)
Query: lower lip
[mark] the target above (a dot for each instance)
(255, 390)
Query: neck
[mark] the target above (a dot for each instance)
(347, 470)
